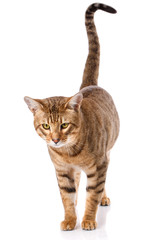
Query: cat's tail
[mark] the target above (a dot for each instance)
(91, 70)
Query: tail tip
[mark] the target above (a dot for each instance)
(105, 7)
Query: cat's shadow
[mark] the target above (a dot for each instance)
(102, 216)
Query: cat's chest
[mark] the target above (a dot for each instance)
(79, 160)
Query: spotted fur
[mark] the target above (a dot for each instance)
(83, 143)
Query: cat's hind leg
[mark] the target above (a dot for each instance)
(77, 181)
(105, 200)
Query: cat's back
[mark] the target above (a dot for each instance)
(100, 114)
(98, 99)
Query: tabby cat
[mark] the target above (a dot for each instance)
(80, 132)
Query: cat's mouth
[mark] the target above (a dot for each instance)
(56, 145)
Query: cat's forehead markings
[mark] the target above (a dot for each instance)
(63, 119)
(50, 111)
(45, 117)
(54, 109)
(55, 105)
(48, 105)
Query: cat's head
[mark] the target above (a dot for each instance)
(56, 119)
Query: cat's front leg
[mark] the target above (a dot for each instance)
(67, 188)
(96, 177)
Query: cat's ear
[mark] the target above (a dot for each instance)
(33, 104)
(74, 102)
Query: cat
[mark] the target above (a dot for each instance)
(80, 132)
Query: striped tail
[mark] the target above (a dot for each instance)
(91, 71)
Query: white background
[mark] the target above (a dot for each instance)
(43, 48)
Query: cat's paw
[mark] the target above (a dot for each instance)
(88, 225)
(68, 225)
(105, 201)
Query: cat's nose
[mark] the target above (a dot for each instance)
(55, 140)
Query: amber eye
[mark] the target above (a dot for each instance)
(46, 126)
(64, 125)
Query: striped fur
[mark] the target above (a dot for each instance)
(91, 70)
(84, 129)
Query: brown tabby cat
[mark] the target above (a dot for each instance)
(80, 132)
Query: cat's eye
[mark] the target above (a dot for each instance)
(46, 126)
(64, 125)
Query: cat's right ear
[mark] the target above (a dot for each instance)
(75, 102)
(33, 105)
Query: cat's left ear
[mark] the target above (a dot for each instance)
(74, 102)
(33, 104)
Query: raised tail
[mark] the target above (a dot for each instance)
(91, 71)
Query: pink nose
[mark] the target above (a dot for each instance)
(55, 140)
